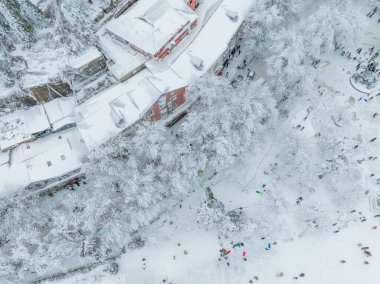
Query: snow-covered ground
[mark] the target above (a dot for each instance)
(320, 239)
(305, 191)
(318, 257)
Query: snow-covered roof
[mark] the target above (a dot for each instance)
(20, 126)
(125, 58)
(211, 41)
(46, 158)
(42, 66)
(60, 112)
(150, 24)
(87, 57)
(114, 110)
(165, 80)
(63, 159)
(36, 119)
(93, 117)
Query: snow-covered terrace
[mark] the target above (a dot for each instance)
(212, 40)
(45, 67)
(83, 60)
(42, 67)
(21, 126)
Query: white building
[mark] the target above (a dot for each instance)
(43, 163)
(27, 125)
(149, 29)
(153, 27)
(117, 108)
(213, 43)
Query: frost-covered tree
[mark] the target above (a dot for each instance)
(212, 214)
(18, 19)
(226, 121)
(265, 19)
(348, 23)
(289, 66)
(138, 175)
(294, 48)
(141, 174)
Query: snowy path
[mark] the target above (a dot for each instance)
(269, 148)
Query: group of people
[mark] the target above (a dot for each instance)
(366, 252)
(226, 62)
(371, 13)
(315, 63)
(372, 65)
(224, 253)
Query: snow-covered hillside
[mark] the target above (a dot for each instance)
(43, 27)
(271, 177)
(305, 191)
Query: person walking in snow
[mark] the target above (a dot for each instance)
(268, 246)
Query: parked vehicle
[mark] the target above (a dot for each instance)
(251, 74)
(235, 82)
